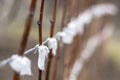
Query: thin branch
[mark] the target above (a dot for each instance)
(84, 4)
(59, 48)
(77, 39)
(59, 51)
(41, 21)
(53, 21)
(40, 31)
(63, 14)
(26, 33)
(71, 10)
(74, 47)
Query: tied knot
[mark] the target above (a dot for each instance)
(21, 64)
(43, 54)
(52, 44)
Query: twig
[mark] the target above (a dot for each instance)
(26, 33)
(40, 31)
(77, 39)
(71, 10)
(63, 14)
(74, 47)
(67, 48)
(53, 21)
(84, 4)
(59, 48)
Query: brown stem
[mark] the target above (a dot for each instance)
(77, 40)
(72, 2)
(56, 63)
(59, 50)
(84, 4)
(27, 28)
(63, 14)
(73, 48)
(49, 66)
(84, 38)
(26, 33)
(16, 76)
(77, 43)
(40, 32)
(53, 21)
(41, 21)
(71, 10)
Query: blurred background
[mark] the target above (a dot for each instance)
(13, 14)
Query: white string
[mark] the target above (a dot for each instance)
(19, 68)
(32, 49)
(5, 62)
(78, 65)
(52, 44)
(93, 42)
(66, 38)
(74, 27)
(43, 54)
(103, 9)
(21, 64)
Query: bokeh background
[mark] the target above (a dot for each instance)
(12, 19)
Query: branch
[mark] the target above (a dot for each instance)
(26, 33)
(53, 21)
(40, 31)
(63, 14)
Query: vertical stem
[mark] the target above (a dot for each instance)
(59, 50)
(64, 13)
(41, 21)
(27, 27)
(53, 21)
(16, 76)
(54, 76)
(26, 33)
(74, 46)
(40, 32)
(84, 5)
(71, 10)
(49, 66)
(77, 40)
(78, 7)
